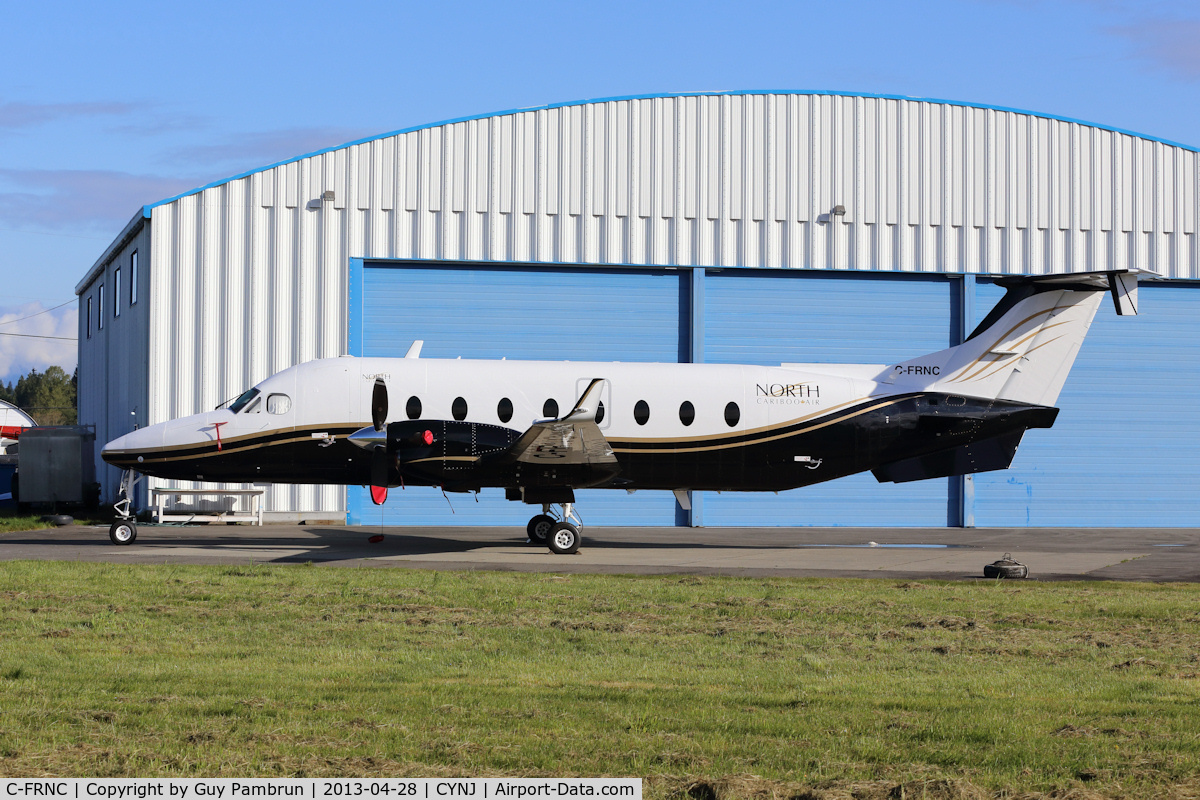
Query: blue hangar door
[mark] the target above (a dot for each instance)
(784, 316)
(516, 312)
(1123, 449)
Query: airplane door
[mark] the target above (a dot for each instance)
(254, 418)
(603, 422)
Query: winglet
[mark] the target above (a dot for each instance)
(587, 404)
(414, 350)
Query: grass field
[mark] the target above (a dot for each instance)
(713, 687)
(12, 521)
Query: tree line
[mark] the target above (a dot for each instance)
(49, 397)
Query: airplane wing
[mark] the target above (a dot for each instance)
(572, 439)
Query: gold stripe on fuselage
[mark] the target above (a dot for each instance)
(763, 440)
(688, 444)
(751, 431)
(240, 444)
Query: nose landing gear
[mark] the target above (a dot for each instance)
(555, 530)
(124, 530)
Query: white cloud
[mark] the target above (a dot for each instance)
(27, 115)
(1170, 44)
(19, 354)
(71, 198)
(251, 150)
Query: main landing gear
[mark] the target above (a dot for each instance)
(556, 530)
(124, 530)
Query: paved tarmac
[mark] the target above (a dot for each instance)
(1147, 554)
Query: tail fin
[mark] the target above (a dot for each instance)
(1024, 348)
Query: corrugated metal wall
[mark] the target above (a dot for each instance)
(252, 272)
(744, 180)
(113, 390)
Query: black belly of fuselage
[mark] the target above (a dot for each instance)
(875, 434)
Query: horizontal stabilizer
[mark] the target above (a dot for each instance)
(1123, 286)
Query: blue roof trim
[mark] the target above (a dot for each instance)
(148, 208)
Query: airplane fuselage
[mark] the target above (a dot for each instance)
(541, 429)
(669, 426)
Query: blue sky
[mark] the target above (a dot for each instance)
(106, 107)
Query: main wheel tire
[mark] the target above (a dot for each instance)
(1005, 571)
(58, 520)
(563, 539)
(122, 532)
(539, 528)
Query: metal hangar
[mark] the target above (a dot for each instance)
(736, 227)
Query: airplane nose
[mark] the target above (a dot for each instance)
(120, 451)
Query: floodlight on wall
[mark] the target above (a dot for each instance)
(327, 195)
(838, 211)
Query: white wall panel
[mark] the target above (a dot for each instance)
(250, 274)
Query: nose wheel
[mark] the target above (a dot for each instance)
(564, 539)
(556, 531)
(124, 530)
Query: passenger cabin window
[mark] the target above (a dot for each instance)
(504, 409)
(600, 412)
(687, 413)
(458, 409)
(550, 409)
(641, 412)
(243, 399)
(732, 414)
(413, 407)
(278, 404)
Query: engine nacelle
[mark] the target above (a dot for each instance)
(416, 439)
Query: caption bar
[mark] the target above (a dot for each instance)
(323, 788)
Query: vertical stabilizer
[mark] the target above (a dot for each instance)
(1026, 354)
(1025, 347)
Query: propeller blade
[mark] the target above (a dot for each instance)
(379, 404)
(379, 467)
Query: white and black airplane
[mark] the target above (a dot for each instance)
(541, 429)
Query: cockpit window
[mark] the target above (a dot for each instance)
(244, 398)
(278, 404)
